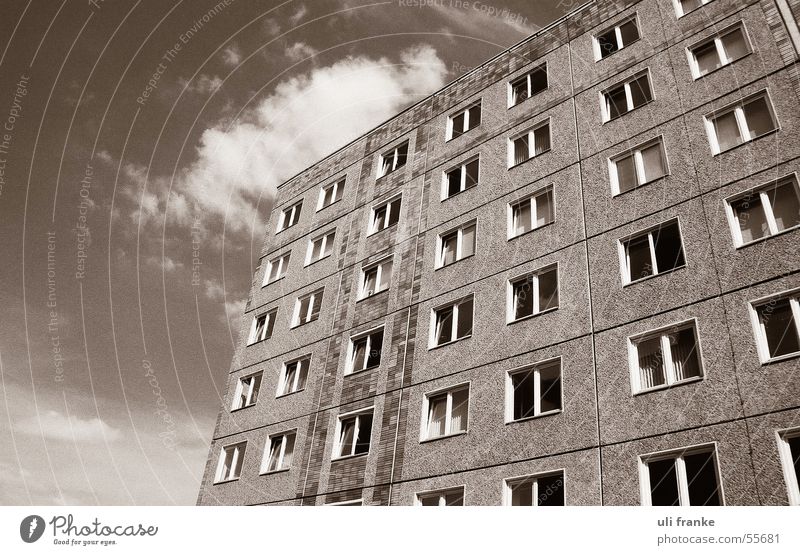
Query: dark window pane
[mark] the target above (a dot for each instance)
(669, 250)
(444, 325)
(524, 394)
(475, 116)
(449, 243)
(453, 182)
(663, 483)
(394, 212)
(689, 5)
(794, 449)
(374, 355)
(639, 262)
(429, 501)
(454, 498)
(683, 347)
(521, 149)
(472, 173)
(640, 91)
(402, 155)
(519, 90)
(550, 384)
(548, 290)
(750, 217)
(707, 57)
(651, 363)
(780, 327)
(551, 491)
(701, 476)
(522, 494)
(617, 102)
(523, 298)
(758, 116)
(626, 174)
(458, 125)
(465, 318)
(629, 32)
(608, 43)
(541, 140)
(785, 205)
(538, 79)
(270, 324)
(364, 434)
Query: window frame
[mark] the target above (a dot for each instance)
(462, 168)
(531, 133)
(741, 122)
(338, 193)
(325, 238)
(623, 253)
(508, 483)
(283, 220)
(394, 153)
(716, 38)
(251, 400)
(267, 450)
(454, 330)
(349, 368)
(645, 494)
(270, 317)
(439, 262)
(598, 54)
(449, 391)
(296, 322)
(638, 162)
(762, 191)
(282, 261)
(371, 228)
(527, 77)
(349, 503)
(377, 265)
(605, 110)
(790, 476)
(237, 458)
(759, 331)
(284, 372)
(442, 494)
(530, 198)
(679, 9)
(449, 125)
(511, 281)
(534, 367)
(337, 448)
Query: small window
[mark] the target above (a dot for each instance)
(542, 490)
(533, 391)
(789, 447)
(230, 462)
(616, 38)
(682, 7)
(530, 213)
(376, 278)
(445, 412)
(276, 268)
(246, 393)
(532, 294)
(463, 121)
(320, 247)
(681, 478)
(365, 351)
(307, 307)
(776, 324)
(720, 50)
(353, 503)
(385, 215)
(740, 123)
(262, 327)
(530, 144)
(764, 211)
(528, 85)
(393, 159)
(452, 322)
(637, 167)
(626, 96)
(442, 498)
(665, 357)
(289, 216)
(330, 193)
(353, 433)
(279, 452)
(294, 375)
(460, 178)
(457, 244)
(652, 252)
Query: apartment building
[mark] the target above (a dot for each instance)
(570, 277)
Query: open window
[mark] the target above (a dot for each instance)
(262, 326)
(615, 38)
(528, 85)
(246, 393)
(279, 452)
(539, 490)
(764, 211)
(393, 159)
(455, 244)
(289, 216)
(626, 96)
(532, 293)
(459, 179)
(665, 357)
(385, 215)
(276, 268)
(365, 351)
(534, 391)
(452, 322)
(652, 252)
(307, 308)
(294, 375)
(775, 321)
(445, 412)
(463, 121)
(353, 434)
(681, 478)
(330, 193)
(231, 458)
(740, 122)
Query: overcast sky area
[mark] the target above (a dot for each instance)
(135, 180)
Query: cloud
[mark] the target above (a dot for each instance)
(54, 425)
(166, 263)
(214, 290)
(299, 14)
(300, 51)
(231, 56)
(204, 84)
(234, 311)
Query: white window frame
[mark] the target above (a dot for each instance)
(465, 112)
(448, 416)
(510, 304)
(531, 143)
(462, 167)
(680, 471)
(762, 191)
(336, 453)
(281, 453)
(284, 373)
(604, 105)
(623, 254)
(337, 186)
(298, 302)
(790, 477)
(393, 152)
(532, 200)
(529, 84)
(270, 316)
(759, 330)
(508, 483)
(350, 361)
(459, 243)
(239, 450)
(638, 161)
(454, 330)
(598, 54)
(379, 267)
(372, 229)
(722, 54)
(287, 215)
(327, 237)
(350, 503)
(249, 401)
(679, 9)
(536, 368)
(669, 366)
(441, 493)
(741, 123)
(282, 261)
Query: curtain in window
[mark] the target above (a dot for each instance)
(544, 208)
(380, 219)
(302, 368)
(683, 348)
(785, 205)
(449, 244)
(468, 241)
(522, 217)
(541, 140)
(359, 354)
(521, 152)
(444, 325)
(727, 131)
(346, 437)
(291, 372)
(386, 276)
(458, 418)
(369, 281)
(651, 363)
(437, 408)
(274, 453)
(288, 453)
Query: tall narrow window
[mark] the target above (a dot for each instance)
(542, 490)
(330, 193)
(681, 478)
(722, 49)
(789, 446)
(279, 452)
(665, 357)
(740, 123)
(531, 212)
(445, 412)
(532, 293)
(262, 326)
(365, 351)
(682, 7)
(455, 245)
(530, 144)
(307, 307)
(353, 434)
(393, 159)
(463, 121)
(527, 86)
(376, 278)
(637, 167)
(289, 216)
(764, 211)
(460, 178)
(627, 96)
(294, 375)
(230, 462)
(616, 38)
(442, 498)
(652, 252)
(533, 391)
(452, 322)
(776, 324)
(246, 393)
(320, 247)
(276, 268)
(385, 215)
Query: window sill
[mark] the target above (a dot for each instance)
(532, 230)
(299, 324)
(284, 229)
(446, 436)
(387, 174)
(226, 481)
(375, 294)
(349, 457)
(271, 472)
(242, 408)
(371, 233)
(716, 69)
(362, 371)
(781, 358)
(318, 210)
(434, 347)
(536, 416)
(645, 184)
(767, 237)
(615, 118)
(615, 51)
(534, 95)
(530, 316)
(290, 393)
(460, 192)
(462, 134)
(643, 279)
(747, 142)
(535, 156)
(452, 263)
(273, 281)
(670, 386)
(308, 264)
(259, 341)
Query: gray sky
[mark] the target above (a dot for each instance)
(125, 161)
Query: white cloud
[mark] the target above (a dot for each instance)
(300, 51)
(166, 263)
(204, 84)
(234, 311)
(299, 14)
(214, 290)
(54, 425)
(231, 56)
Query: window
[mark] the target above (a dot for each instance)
(627, 96)
(246, 393)
(776, 325)
(639, 166)
(616, 38)
(452, 322)
(330, 193)
(461, 178)
(442, 498)
(353, 433)
(740, 123)
(680, 478)
(320, 247)
(455, 245)
(530, 144)
(789, 447)
(376, 278)
(463, 121)
(365, 351)
(652, 252)
(533, 391)
(385, 215)
(682, 7)
(294, 375)
(543, 490)
(532, 293)
(664, 357)
(445, 413)
(307, 307)
(276, 268)
(289, 216)
(262, 326)
(528, 85)
(393, 159)
(765, 211)
(530, 213)
(352, 503)
(279, 452)
(229, 466)
(720, 50)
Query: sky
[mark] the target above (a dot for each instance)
(141, 143)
